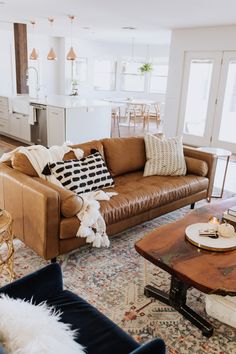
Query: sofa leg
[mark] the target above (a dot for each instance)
(192, 206)
(54, 260)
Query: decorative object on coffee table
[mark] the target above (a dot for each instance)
(203, 236)
(189, 266)
(6, 240)
(219, 153)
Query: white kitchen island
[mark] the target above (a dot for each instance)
(68, 118)
(75, 119)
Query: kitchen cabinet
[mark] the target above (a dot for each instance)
(67, 118)
(4, 115)
(88, 123)
(19, 126)
(4, 125)
(78, 124)
(56, 125)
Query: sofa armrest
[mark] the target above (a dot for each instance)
(40, 285)
(35, 209)
(156, 346)
(210, 159)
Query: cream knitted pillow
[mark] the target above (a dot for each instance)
(165, 157)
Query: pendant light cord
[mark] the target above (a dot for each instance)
(132, 49)
(71, 32)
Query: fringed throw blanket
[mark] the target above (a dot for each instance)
(92, 224)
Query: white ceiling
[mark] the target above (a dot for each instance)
(153, 19)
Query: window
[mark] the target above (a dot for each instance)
(197, 101)
(80, 69)
(158, 79)
(104, 74)
(131, 77)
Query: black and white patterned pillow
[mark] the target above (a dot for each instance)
(81, 176)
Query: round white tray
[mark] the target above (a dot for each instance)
(220, 244)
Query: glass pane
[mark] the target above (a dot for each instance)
(132, 83)
(80, 69)
(160, 69)
(104, 74)
(129, 67)
(106, 66)
(158, 84)
(198, 97)
(228, 120)
(104, 81)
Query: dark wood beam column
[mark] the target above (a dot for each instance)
(21, 56)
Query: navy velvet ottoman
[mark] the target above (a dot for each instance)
(96, 332)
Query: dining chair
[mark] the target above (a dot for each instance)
(115, 114)
(137, 113)
(156, 113)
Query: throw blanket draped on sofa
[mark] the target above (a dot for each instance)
(92, 224)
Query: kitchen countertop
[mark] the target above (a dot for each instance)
(68, 101)
(21, 103)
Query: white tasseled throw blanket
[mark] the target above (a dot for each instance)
(92, 224)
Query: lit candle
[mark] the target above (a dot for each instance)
(215, 222)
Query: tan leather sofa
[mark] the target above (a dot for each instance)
(44, 214)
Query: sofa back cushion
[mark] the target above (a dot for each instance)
(86, 147)
(196, 167)
(124, 155)
(21, 163)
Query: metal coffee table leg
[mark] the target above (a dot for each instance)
(177, 299)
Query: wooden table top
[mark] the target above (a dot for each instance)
(208, 271)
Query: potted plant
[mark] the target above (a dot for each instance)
(75, 84)
(146, 68)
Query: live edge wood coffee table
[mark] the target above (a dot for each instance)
(208, 271)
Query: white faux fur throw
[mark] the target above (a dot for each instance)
(92, 224)
(29, 329)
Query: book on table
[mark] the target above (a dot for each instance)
(232, 211)
(229, 218)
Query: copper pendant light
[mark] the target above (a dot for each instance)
(71, 55)
(51, 54)
(34, 53)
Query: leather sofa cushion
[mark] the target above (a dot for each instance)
(70, 203)
(86, 147)
(21, 162)
(137, 194)
(124, 155)
(196, 167)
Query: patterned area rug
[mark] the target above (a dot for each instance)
(113, 280)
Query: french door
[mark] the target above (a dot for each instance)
(208, 102)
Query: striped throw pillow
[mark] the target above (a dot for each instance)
(164, 156)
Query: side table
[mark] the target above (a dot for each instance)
(219, 153)
(6, 242)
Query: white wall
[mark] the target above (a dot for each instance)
(55, 76)
(221, 38)
(118, 51)
(7, 60)
(50, 71)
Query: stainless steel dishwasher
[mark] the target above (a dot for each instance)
(39, 129)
